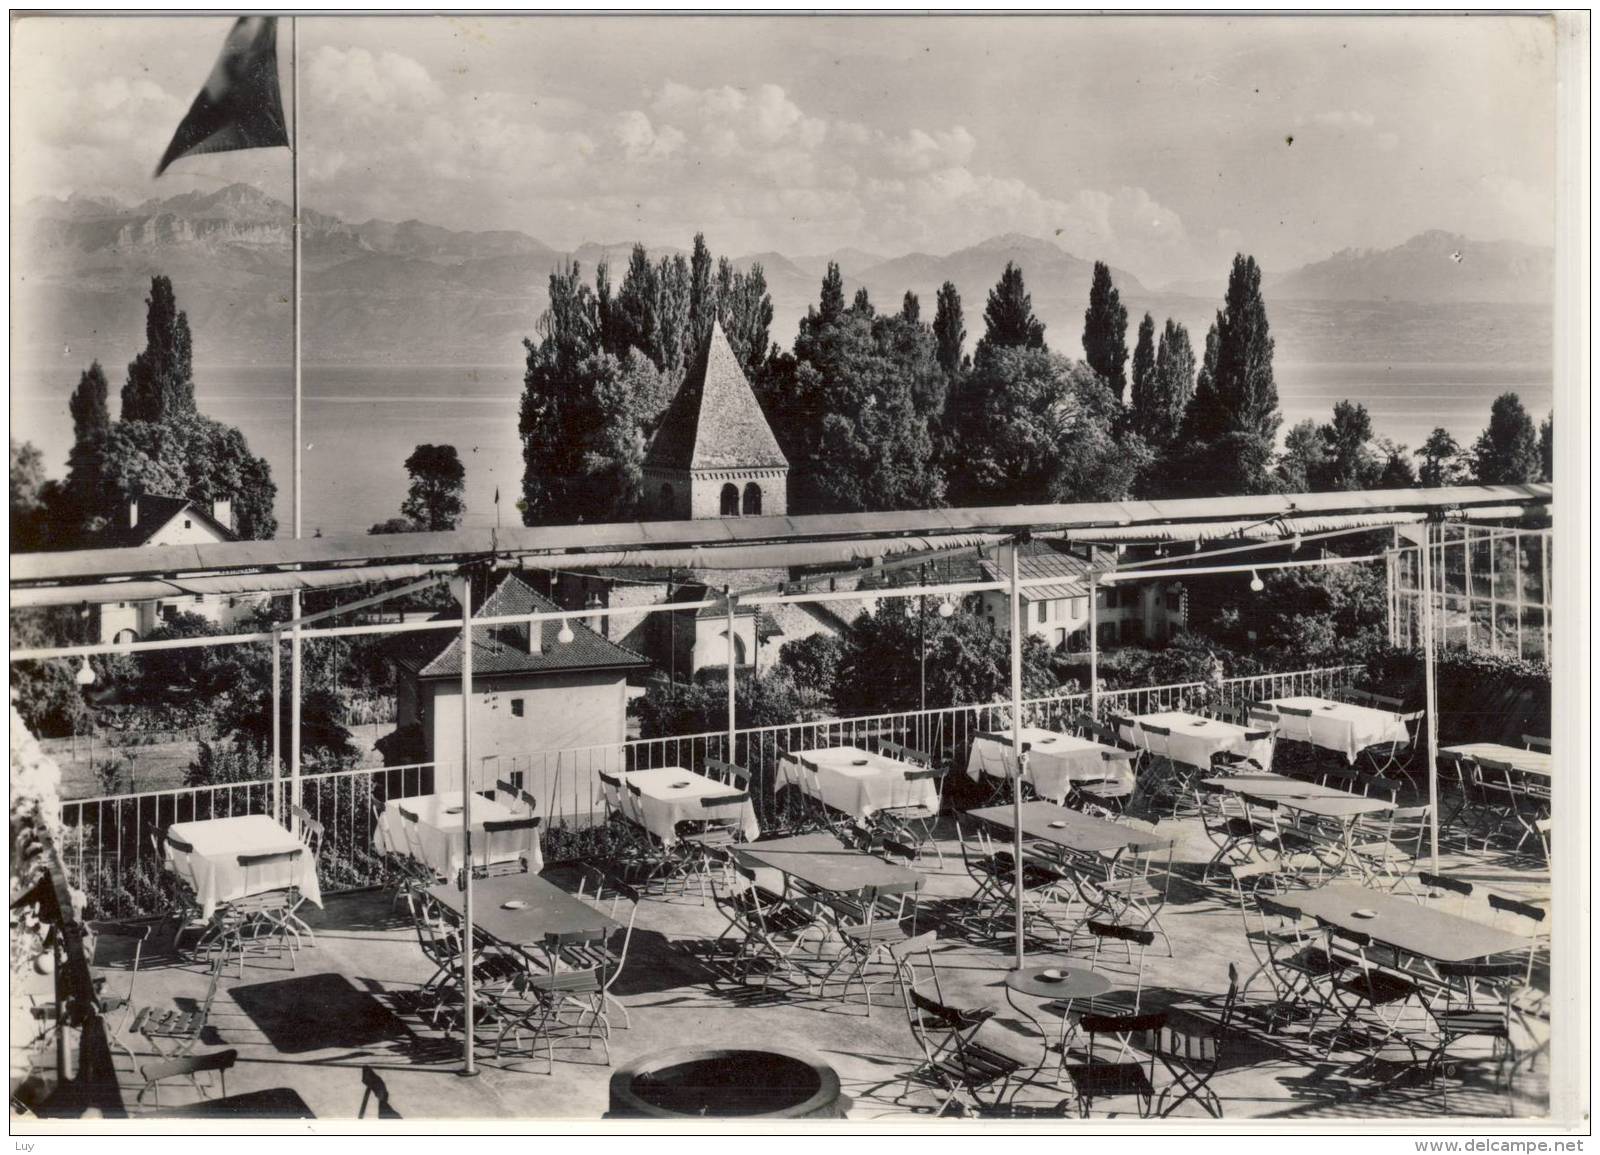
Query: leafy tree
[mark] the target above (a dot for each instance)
(637, 322)
(29, 520)
(161, 379)
(949, 331)
(1397, 471)
(438, 481)
(1008, 317)
(1441, 460)
(1105, 331)
(1232, 420)
(862, 439)
(672, 312)
(91, 424)
(395, 525)
(1144, 366)
(745, 309)
(813, 663)
(968, 661)
(1507, 451)
(1547, 451)
(1048, 433)
(1351, 462)
(911, 308)
(862, 305)
(1304, 457)
(702, 297)
(189, 456)
(1319, 615)
(1171, 386)
(831, 307)
(770, 699)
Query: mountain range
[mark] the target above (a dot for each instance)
(413, 293)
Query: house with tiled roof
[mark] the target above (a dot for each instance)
(531, 692)
(714, 455)
(153, 520)
(1058, 612)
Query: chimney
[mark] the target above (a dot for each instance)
(223, 512)
(535, 637)
(133, 513)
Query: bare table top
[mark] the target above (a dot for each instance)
(1404, 924)
(1324, 801)
(822, 861)
(549, 908)
(1072, 983)
(1047, 822)
(1525, 761)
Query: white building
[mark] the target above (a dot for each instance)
(531, 691)
(154, 520)
(1058, 613)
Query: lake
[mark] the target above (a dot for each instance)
(361, 423)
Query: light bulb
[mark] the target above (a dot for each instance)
(566, 635)
(947, 608)
(85, 674)
(1256, 583)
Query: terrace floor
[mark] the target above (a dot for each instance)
(350, 1003)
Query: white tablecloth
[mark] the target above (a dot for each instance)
(1340, 726)
(218, 842)
(443, 836)
(1195, 739)
(1055, 761)
(856, 782)
(662, 802)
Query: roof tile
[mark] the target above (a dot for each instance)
(715, 421)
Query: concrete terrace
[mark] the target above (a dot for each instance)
(351, 1002)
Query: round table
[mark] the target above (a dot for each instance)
(1074, 983)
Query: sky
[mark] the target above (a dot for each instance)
(1160, 144)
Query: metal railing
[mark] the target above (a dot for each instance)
(110, 852)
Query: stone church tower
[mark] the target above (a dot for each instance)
(714, 454)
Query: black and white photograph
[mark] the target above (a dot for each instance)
(835, 573)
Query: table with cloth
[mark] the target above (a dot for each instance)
(1341, 727)
(214, 865)
(442, 835)
(1055, 761)
(855, 782)
(1195, 739)
(669, 795)
(1535, 763)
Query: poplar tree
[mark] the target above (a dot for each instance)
(1105, 331)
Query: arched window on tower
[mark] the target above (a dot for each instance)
(752, 499)
(730, 500)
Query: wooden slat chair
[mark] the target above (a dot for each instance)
(1298, 963)
(1365, 986)
(1480, 1001)
(375, 1088)
(122, 933)
(719, 829)
(1394, 758)
(188, 911)
(313, 837)
(1223, 818)
(768, 929)
(515, 798)
(611, 789)
(186, 1066)
(495, 863)
(1392, 857)
(171, 1031)
(536, 1003)
(869, 927)
(257, 920)
(1192, 1051)
(996, 772)
(727, 773)
(1109, 794)
(955, 1063)
(411, 832)
(1459, 888)
(401, 872)
(913, 826)
(1095, 1079)
(1535, 742)
(1158, 780)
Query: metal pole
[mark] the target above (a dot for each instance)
(1020, 764)
(922, 641)
(294, 195)
(1094, 647)
(464, 596)
(277, 729)
(294, 706)
(1430, 693)
(732, 673)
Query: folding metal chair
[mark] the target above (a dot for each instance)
(869, 927)
(125, 933)
(1480, 1001)
(955, 1063)
(1393, 757)
(1192, 1053)
(172, 1032)
(1366, 986)
(494, 863)
(187, 1066)
(1094, 1079)
(1223, 818)
(1109, 794)
(914, 825)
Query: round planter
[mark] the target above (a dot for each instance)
(727, 1083)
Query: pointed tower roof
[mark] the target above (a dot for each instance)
(715, 421)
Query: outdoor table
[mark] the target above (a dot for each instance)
(1059, 993)
(1195, 739)
(443, 835)
(1340, 726)
(855, 782)
(1338, 807)
(1409, 927)
(218, 843)
(1535, 763)
(1069, 830)
(670, 795)
(1055, 761)
(548, 909)
(821, 862)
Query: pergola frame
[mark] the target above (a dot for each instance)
(1011, 527)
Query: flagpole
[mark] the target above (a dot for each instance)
(294, 201)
